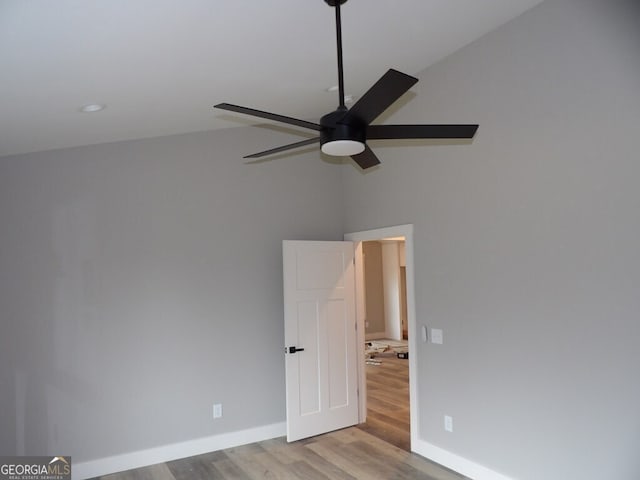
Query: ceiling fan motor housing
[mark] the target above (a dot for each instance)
(333, 131)
(334, 2)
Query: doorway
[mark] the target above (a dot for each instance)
(386, 342)
(389, 235)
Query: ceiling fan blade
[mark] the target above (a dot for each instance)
(284, 148)
(391, 86)
(269, 116)
(420, 131)
(366, 159)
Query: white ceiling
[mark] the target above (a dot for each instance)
(160, 65)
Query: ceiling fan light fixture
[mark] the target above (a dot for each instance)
(343, 148)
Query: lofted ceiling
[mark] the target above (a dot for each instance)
(160, 65)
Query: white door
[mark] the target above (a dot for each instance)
(320, 337)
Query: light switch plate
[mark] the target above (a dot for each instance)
(436, 336)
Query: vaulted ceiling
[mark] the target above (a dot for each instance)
(160, 65)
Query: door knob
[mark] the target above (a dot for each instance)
(294, 349)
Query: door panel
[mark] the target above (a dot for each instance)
(338, 327)
(307, 334)
(319, 306)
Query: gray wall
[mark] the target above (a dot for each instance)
(374, 287)
(140, 282)
(527, 242)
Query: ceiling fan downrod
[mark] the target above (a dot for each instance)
(336, 5)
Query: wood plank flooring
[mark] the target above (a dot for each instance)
(388, 400)
(349, 454)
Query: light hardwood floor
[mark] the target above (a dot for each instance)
(376, 450)
(388, 400)
(342, 455)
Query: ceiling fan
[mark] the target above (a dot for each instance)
(344, 132)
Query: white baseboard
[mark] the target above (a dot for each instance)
(166, 453)
(455, 462)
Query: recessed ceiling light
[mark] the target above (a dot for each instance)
(92, 107)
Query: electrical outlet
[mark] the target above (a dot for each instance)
(217, 410)
(448, 423)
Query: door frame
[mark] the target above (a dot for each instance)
(405, 231)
